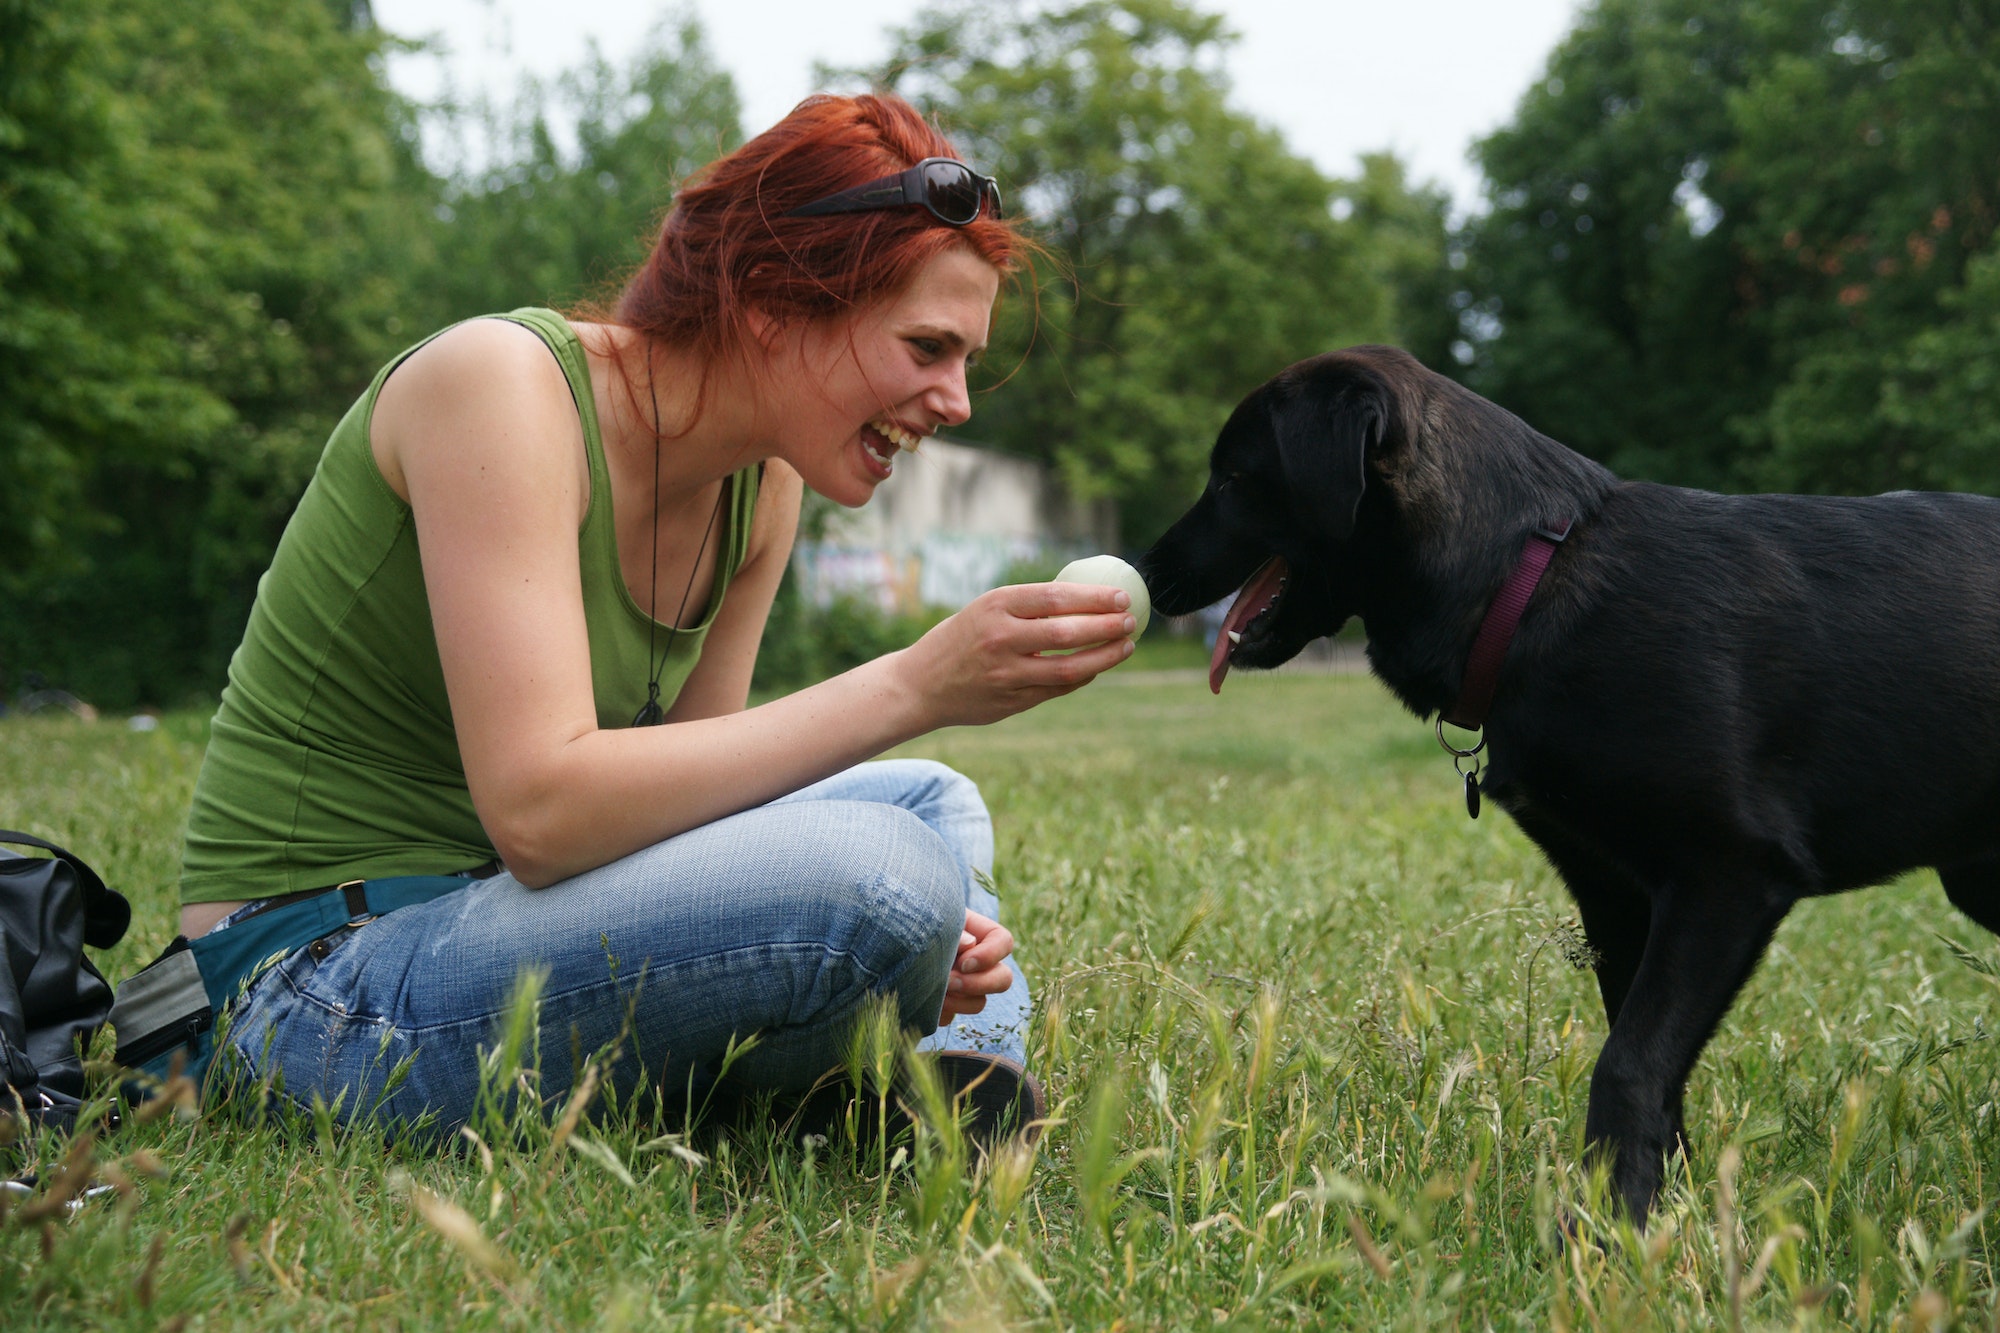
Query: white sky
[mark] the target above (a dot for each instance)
(1337, 77)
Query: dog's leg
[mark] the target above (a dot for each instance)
(1614, 906)
(1616, 921)
(1974, 889)
(1700, 949)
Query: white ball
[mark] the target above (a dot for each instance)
(1109, 571)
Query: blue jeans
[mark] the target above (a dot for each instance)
(781, 921)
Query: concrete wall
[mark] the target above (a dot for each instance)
(945, 527)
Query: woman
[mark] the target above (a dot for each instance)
(514, 618)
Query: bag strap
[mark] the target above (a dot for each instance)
(30, 840)
(106, 914)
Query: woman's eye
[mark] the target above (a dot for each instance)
(930, 347)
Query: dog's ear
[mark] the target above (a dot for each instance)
(1324, 435)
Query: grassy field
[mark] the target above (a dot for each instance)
(1319, 1045)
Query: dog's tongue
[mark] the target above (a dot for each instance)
(1218, 662)
(1257, 594)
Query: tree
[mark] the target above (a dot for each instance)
(1731, 246)
(214, 228)
(1877, 141)
(1944, 394)
(191, 289)
(576, 175)
(84, 360)
(1198, 255)
(1606, 310)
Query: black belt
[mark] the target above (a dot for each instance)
(357, 899)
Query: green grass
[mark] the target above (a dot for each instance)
(1320, 1053)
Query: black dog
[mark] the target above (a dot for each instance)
(1713, 706)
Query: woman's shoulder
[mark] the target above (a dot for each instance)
(778, 481)
(480, 351)
(494, 366)
(482, 386)
(774, 528)
(780, 491)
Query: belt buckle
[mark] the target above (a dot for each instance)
(354, 891)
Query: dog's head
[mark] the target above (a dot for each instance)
(1286, 483)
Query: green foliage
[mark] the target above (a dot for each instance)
(191, 288)
(1749, 246)
(214, 228)
(804, 644)
(1946, 389)
(1739, 246)
(1869, 254)
(1198, 254)
(572, 179)
(1317, 1047)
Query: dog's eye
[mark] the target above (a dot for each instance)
(1228, 480)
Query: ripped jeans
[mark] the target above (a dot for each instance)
(780, 921)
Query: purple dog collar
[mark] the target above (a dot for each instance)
(1496, 632)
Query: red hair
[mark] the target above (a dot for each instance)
(726, 248)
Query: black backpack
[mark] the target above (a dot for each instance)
(52, 997)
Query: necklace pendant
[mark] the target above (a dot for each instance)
(1472, 794)
(649, 714)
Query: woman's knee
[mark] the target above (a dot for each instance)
(950, 803)
(946, 787)
(911, 899)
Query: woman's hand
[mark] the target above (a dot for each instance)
(981, 967)
(987, 662)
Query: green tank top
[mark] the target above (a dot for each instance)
(332, 756)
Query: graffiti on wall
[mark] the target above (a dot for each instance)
(948, 525)
(945, 569)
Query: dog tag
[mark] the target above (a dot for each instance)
(1472, 794)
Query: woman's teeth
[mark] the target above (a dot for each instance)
(896, 435)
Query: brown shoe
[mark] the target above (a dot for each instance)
(996, 1098)
(1004, 1099)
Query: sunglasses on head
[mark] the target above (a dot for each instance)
(951, 190)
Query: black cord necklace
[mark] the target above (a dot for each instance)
(650, 713)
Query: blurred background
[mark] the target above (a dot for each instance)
(1739, 246)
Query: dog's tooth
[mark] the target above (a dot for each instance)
(1235, 637)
